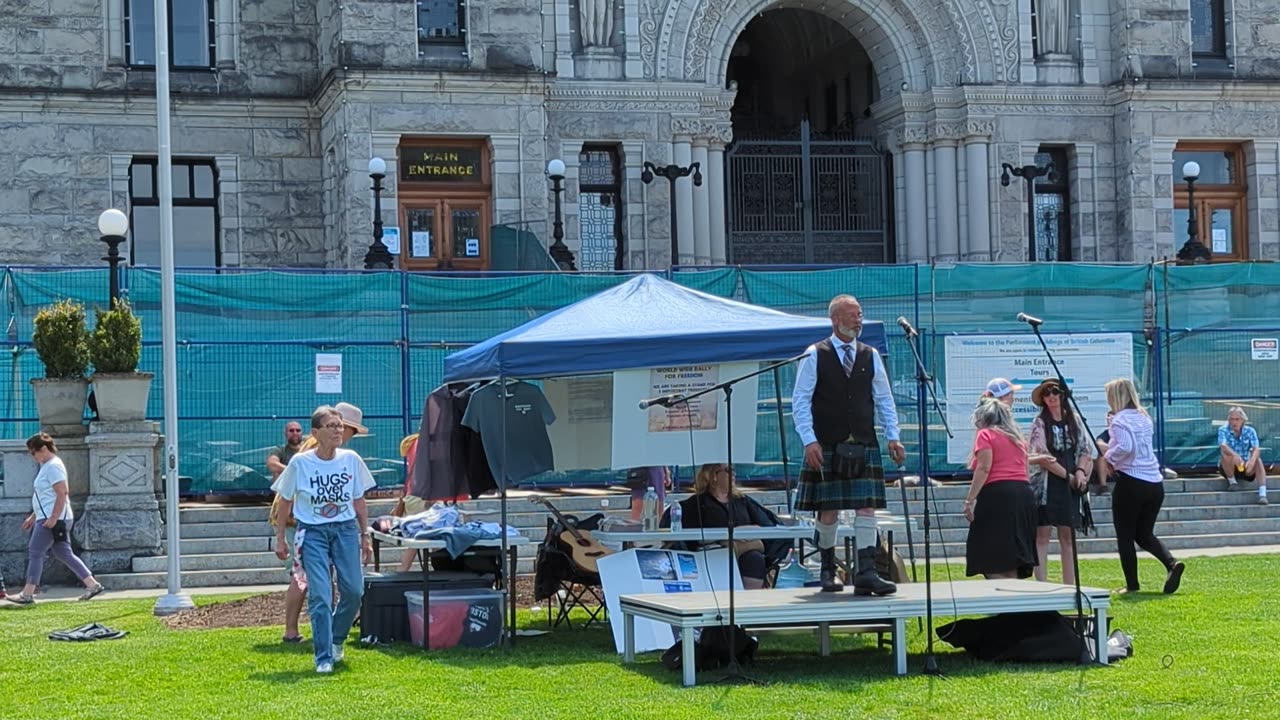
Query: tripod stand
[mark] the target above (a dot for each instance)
(733, 672)
(1085, 658)
(924, 385)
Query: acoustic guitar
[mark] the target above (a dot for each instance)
(583, 549)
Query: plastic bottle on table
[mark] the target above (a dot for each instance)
(677, 517)
(649, 511)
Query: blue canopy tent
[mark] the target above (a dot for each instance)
(644, 322)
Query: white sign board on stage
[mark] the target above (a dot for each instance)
(664, 435)
(644, 570)
(1087, 361)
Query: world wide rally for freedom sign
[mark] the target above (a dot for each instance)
(1087, 362)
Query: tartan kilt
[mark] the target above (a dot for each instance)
(833, 491)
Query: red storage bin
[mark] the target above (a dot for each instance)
(459, 618)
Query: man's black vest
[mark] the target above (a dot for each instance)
(843, 405)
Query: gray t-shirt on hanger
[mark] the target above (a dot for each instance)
(528, 415)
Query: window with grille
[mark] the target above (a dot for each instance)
(600, 208)
(1052, 208)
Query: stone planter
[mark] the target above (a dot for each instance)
(122, 396)
(60, 401)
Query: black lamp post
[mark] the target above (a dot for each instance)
(1193, 251)
(113, 225)
(672, 173)
(378, 257)
(1028, 173)
(559, 252)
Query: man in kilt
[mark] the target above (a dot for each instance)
(841, 390)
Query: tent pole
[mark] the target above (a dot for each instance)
(782, 438)
(508, 582)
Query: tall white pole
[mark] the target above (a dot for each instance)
(175, 599)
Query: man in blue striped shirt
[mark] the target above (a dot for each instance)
(1241, 453)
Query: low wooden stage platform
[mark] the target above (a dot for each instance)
(811, 607)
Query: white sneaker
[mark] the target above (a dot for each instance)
(324, 668)
(338, 653)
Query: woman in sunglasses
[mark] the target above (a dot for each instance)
(1060, 476)
(50, 522)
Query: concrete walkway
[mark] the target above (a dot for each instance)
(65, 593)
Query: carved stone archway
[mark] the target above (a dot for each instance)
(943, 43)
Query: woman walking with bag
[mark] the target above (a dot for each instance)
(1139, 490)
(50, 522)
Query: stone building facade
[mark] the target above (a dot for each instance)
(824, 130)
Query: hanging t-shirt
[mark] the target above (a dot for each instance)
(43, 497)
(324, 491)
(528, 415)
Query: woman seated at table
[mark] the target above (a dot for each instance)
(714, 497)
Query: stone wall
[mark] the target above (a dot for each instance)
(71, 162)
(1152, 39)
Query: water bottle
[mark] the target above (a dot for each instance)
(677, 517)
(649, 510)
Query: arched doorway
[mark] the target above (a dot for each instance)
(805, 182)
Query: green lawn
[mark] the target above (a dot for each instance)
(1208, 652)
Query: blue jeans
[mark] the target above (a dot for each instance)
(335, 545)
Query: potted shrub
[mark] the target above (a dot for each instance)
(62, 342)
(116, 346)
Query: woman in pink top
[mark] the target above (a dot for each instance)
(1001, 507)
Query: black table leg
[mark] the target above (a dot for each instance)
(424, 559)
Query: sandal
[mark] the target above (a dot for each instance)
(21, 599)
(92, 592)
(292, 640)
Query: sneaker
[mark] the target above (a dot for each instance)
(1262, 500)
(92, 592)
(339, 653)
(1232, 486)
(1174, 578)
(21, 599)
(324, 668)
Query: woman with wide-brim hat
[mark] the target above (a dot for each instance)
(1060, 475)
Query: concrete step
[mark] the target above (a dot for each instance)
(1184, 527)
(1103, 516)
(196, 578)
(1107, 546)
(209, 546)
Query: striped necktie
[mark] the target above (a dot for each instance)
(848, 360)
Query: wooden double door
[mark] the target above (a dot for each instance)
(445, 233)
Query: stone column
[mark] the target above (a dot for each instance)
(701, 206)
(978, 198)
(682, 155)
(716, 192)
(121, 516)
(917, 212)
(947, 244)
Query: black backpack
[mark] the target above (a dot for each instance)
(712, 649)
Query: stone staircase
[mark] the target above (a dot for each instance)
(231, 544)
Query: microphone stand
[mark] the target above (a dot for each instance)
(924, 385)
(1085, 658)
(733, 672)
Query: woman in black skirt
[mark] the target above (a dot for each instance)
(1000, 507)
(1061, 476)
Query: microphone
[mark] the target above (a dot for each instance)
(906, 327)
(663, 400)
(1030, 320)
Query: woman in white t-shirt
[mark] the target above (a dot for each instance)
(323, 490)
(50, 522)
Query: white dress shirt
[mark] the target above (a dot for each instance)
(807, 380)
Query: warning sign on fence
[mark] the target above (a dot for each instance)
(1265, 348)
